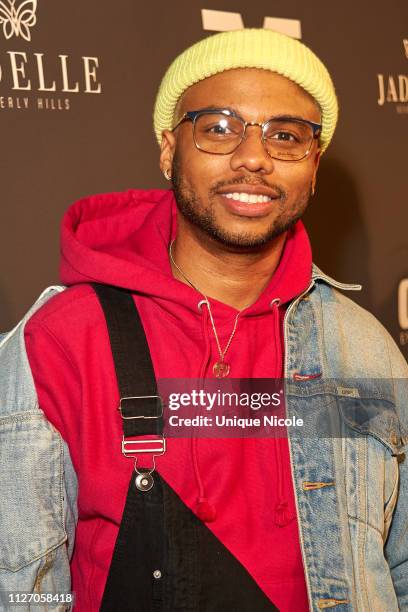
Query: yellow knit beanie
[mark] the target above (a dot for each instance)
(247, 48)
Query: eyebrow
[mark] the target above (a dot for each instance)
(282, 116)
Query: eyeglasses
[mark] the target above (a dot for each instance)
(221, 131)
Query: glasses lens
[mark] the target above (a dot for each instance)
(218, 133)
(289, 140)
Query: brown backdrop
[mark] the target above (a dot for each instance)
(59, 145)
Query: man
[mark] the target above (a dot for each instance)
(221, 275)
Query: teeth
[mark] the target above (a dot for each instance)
(252, 198)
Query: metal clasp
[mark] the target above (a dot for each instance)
(142, 416)
(155, 445)
(133, 448)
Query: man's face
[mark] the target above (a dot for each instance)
(201, 180)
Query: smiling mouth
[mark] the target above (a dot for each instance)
(250, 198)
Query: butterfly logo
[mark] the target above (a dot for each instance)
(17, 20)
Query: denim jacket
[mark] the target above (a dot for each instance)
(38, 484)
(351, 486)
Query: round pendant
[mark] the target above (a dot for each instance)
(144, 482)
(221, 369)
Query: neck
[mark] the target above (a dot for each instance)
(233, 277)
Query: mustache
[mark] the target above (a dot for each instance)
(248, 181)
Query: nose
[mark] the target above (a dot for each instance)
(251, 153)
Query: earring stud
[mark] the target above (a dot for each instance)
(167, 174)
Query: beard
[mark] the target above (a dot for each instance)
(203, 218)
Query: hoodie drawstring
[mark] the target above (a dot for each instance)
(282, 516)
(205, 511)
(277, 336)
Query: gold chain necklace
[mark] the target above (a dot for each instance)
(221, 369)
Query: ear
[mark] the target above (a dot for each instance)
(167, 149)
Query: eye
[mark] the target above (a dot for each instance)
(220, 128)
(288, 133)
(216, 126)
(283, 136)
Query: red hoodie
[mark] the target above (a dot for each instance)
(122, 239)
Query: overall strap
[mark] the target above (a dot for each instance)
(135, 578)
(140, 405)
(165, 559)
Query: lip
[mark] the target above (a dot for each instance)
(252, 189)
(246, 209)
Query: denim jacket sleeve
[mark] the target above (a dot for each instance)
(37, 482)
(396, 549)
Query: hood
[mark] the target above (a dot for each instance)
(122, 239)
